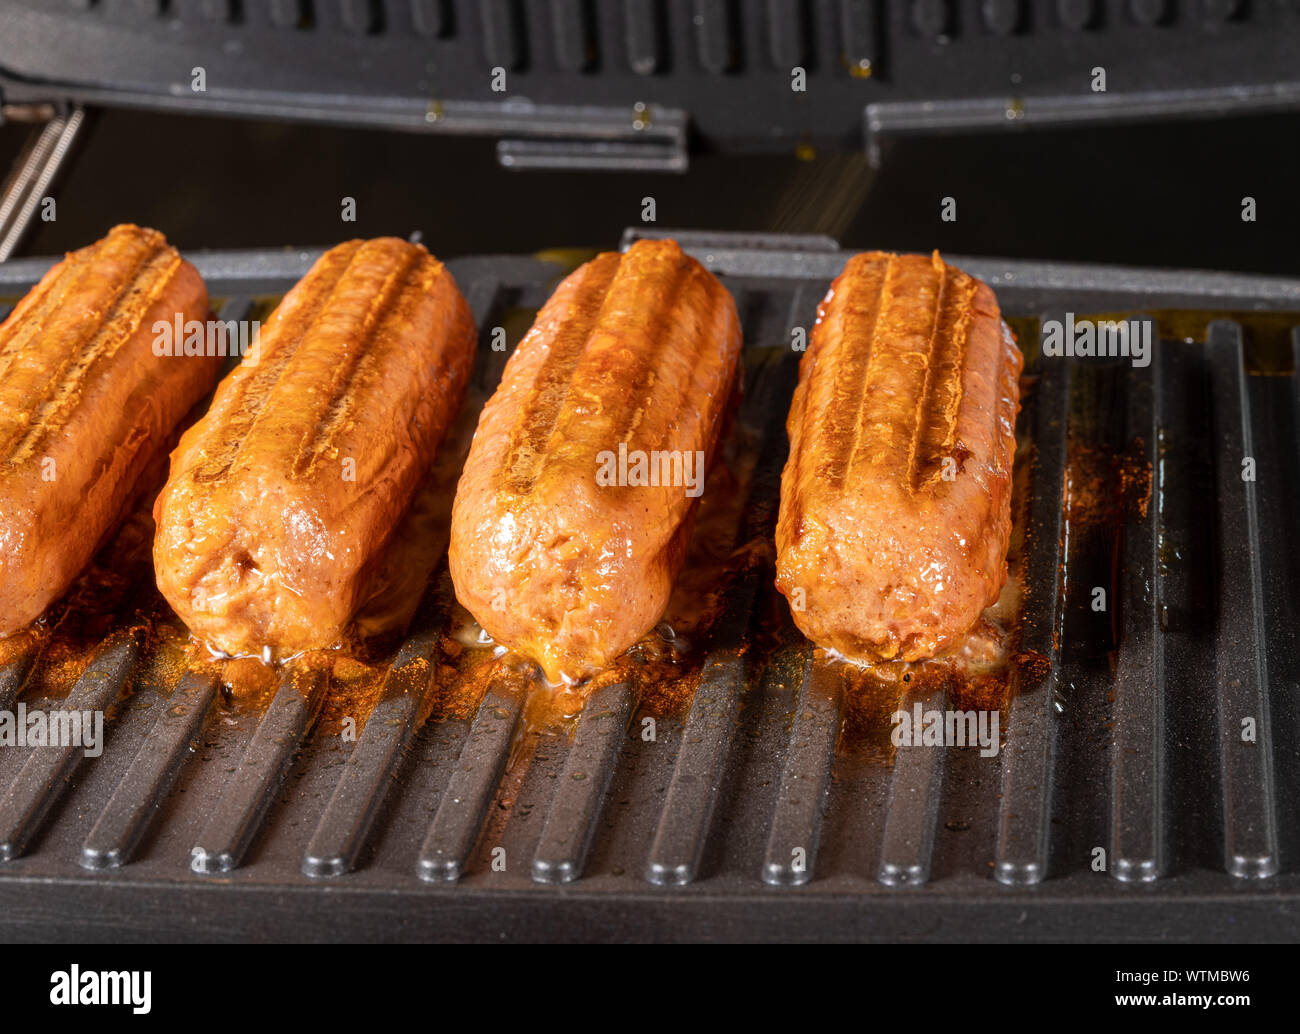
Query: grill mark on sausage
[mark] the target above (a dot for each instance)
(696, 296)
(715, 416)
(540, 415)
(643, 372)
(846, 359)
(589, 370)
(941, 395)
(831, 445)
(37, 315)
(48, 298)
(51, 295)
(152, 273)
(318, 438)
(854, 399)
(20, 338)
(923, 401)
(248, 405)
(425, 278)
(934, 423)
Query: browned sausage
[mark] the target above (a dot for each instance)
(282, 497)
(557, 547)
(86, 405)
(896, 499)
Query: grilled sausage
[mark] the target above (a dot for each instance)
(896, 499)
(572, 513)
(282, 497)
(86, 406)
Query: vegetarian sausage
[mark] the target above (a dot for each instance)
(896, 499)
(572, 513)
(282, 497)
(87, 403)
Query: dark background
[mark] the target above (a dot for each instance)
(1167, 195)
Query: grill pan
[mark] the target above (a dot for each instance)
(200, 822)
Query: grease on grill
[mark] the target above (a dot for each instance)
(976, 677)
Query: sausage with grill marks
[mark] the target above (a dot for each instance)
(282, 498)
(87, 404)
(896, 499)
(557, 547)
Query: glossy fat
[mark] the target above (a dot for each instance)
(640, 348)
(86, 406)
(910, 376)
(282, 497)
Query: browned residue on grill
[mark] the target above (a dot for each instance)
(1100, 485)
(1135, 478)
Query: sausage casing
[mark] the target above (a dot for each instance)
(87, 404)
(634, 356)
(896, 499)
(282, 497)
